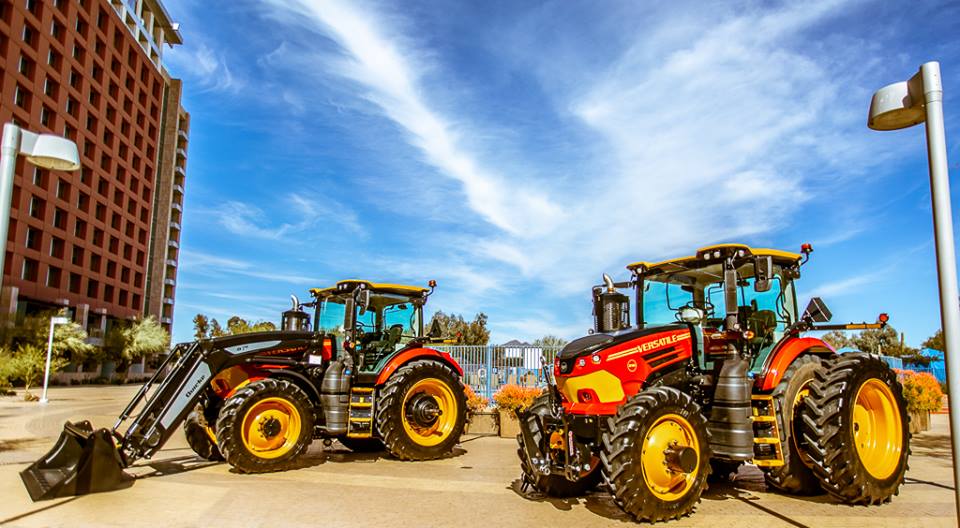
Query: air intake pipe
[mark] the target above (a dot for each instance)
(610, 307)
(294, 319)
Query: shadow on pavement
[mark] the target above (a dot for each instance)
(931, 445)
(38, 510)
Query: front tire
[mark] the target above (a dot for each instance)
(200, 436)
(265, 426)
(656, 455)
(857, 429)
(795, 476)
(421, 411)
(553, 485)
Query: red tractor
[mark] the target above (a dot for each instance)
(715, 373)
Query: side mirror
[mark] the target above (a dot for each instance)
(816, 311)
(763, 272)
(364, 301)
(435, 331)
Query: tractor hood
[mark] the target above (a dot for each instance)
(594, 342)
(255, 341)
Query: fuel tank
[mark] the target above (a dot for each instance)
(597, 373)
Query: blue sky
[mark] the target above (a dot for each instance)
(514, 151)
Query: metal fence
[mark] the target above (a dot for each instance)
(487, 368)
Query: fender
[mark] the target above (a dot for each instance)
(783, 355)
(298, 379)
(416, 353)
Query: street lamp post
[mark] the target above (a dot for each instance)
(46, 151)
(54, 321)
(902, 105)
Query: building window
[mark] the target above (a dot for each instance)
(93, 289)
(30, 270)
(33, 238)
(56, 247)
(137, 279)
(50, 87)
(21, 97)
(37, 206)
(136, 301)
(83, 202)
(74, 283)
(25, 66)
(122, 300)
(108, 293)
(53, 276)
(77, 257)
(98, 237)
(95, 261)
(53, 58)
(80, 230)
(45, 116)
(29, 36)
(63, 190)
(111, 269)
(59, 218)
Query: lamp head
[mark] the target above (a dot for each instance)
(898, 105)
(48, 151)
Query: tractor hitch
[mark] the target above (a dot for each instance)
(82, 461)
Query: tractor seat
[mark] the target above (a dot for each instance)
(762, 323)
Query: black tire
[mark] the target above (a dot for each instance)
(795, 476)
(400, 390)
(829, 415)
(198, 433)
(623, 454)
(553, 485)
(362, 445)
(230, 426)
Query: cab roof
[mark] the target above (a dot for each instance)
(380, 287)
(705, 254)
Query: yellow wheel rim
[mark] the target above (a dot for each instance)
(797, 401)
(877, 428)
(421, 404)
(271, 428)
(669, 431)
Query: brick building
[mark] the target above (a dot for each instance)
(102, 241)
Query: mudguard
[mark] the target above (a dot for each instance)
(783, 355)
(416, 353)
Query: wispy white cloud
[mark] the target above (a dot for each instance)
(204, 67)
(391, 75)
(206, 264)
(244, 219)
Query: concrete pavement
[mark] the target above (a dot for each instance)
(477, 487)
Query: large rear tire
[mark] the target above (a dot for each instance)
(554, 485)
(857, 429)
(656, 455)
(421, 411)
(795, 476)
(200, 436)
(265, 426)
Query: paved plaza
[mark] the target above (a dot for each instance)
(476, 487)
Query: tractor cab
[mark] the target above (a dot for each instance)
(374, 320)
(690, 290)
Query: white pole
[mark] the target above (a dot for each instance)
(946, 252)
(46, 372)
(8, 162)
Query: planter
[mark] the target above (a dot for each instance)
(919, 421)
(509, 426)
(483, 423)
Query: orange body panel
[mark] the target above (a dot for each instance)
(602, 386)
(416, 353)
(782, 356)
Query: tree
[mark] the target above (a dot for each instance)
(215, 329)
(935, 342)
(69, 340)
(237, 325)
(550, 341)
(837, 339)
(453, 326)
(28, 364)
(201, 326)
(143, 338)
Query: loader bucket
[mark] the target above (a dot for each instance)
(83, 461)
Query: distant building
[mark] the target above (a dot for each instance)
(104, 241)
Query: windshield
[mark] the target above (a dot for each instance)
(330, 315)
(664, 295)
